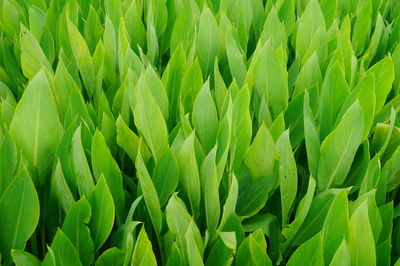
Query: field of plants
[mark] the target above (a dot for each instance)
(199, 132)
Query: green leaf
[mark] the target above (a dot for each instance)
(143, 252)
(194, 255)
(19, 208)
(205, 117)
(82, 57)
(230, 203)
(111, 257)
(342, 255)
(76, 229)
(333, 94)
(241, 127)
(8, 162)
(129, 141)
(166, 176)
(236, 58)
(384, 76)
(365, 92)
(33, 58)
(210, 188)
(311, 136)
(287, 175)
(61, 252)
(336, 226)
(274, 30)
(339, 148)
(79, 165)
(103, 213)
(252, 251)
(189, 173)
(361, 239)
(149, 194)
(150, 122)
(61, 189)
(22, 258)
(207, 44)
(362, 29)
(35, 127)
(309, 253)
(253, 193)
(301, 213)
(310, 36)
(104, 163)
(309, 76)
(260, 158)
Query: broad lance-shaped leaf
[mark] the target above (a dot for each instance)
(364, 91)
(287, 174)
(79, 165)
(22, 258)
(35, 127)
(166, 176)
(260, 157)
(301, 213)
(336, 225)
(311, 136)
(274, 30)
(189, 173)
(236, 58)
(179, 220)
(361, 239)
(61, 252)
(194, 255)
(207, 41)
(143, 253)
(309, 253)
(274, 79)
(210, 188)
(19, 214)
(342, 255)
(333, 94)
(76, 229)
(33, 58)
(149, 194)
(384, 75)
(104, 163)
(252, 251)
(339, 148)
(82, 57)
(205, 117)
(61, 189)
(111, 257)
(103, 213)
(230, 203)
(129, 141)
(309, 38)
(241, 127)
(150, 122)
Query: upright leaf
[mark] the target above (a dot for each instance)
(104, 163)
(103, 213)
(339, 148)
(19, 208)
(149, 194)
(205, 117)
(207, 41)
(35, 127)
(287, 175)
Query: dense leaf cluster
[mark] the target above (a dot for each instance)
(191, 132)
